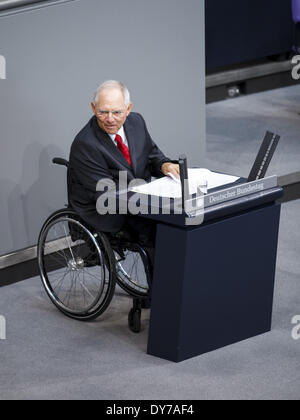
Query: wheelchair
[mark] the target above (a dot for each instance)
(80, 268)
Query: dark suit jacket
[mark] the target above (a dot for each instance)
(94, 156)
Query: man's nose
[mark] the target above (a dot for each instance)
(110, 116)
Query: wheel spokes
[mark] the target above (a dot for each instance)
(73, 284)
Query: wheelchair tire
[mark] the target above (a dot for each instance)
(134, 320)
(77, 267)
(133, 270)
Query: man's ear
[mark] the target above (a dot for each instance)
(93, 107)
(129, 109)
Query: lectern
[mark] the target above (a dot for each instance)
(213, 282)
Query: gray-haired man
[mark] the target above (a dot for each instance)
(114, 140)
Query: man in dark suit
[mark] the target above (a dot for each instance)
(114, 140)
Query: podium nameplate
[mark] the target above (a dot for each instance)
(240, 190)
(236, 193)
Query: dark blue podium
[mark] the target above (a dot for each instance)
(213, 283)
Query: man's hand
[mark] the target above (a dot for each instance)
(170, 167)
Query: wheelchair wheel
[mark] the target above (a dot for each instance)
(133, 270)
(134, 320)
(77, 267)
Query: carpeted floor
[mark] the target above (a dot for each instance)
(48, 356)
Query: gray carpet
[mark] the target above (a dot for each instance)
(48, 356)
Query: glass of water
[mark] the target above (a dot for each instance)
(202, 186)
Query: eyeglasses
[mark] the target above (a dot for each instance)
(115, 114)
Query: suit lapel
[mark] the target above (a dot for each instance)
(109, 145)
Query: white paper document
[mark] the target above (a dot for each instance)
(168, 187)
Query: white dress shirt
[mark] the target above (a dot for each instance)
(121, 133)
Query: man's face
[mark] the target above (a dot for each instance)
(110, 110)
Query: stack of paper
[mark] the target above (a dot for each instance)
(168, 187)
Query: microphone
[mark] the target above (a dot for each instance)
(184, 179)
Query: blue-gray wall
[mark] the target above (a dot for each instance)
(56, 56)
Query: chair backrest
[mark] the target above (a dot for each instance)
(64, 162)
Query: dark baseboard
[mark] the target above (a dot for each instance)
(18, 272)
(291, 193)
(247, 87)
(291, 187)
(251, 77)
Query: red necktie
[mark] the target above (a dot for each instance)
(123, 148)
